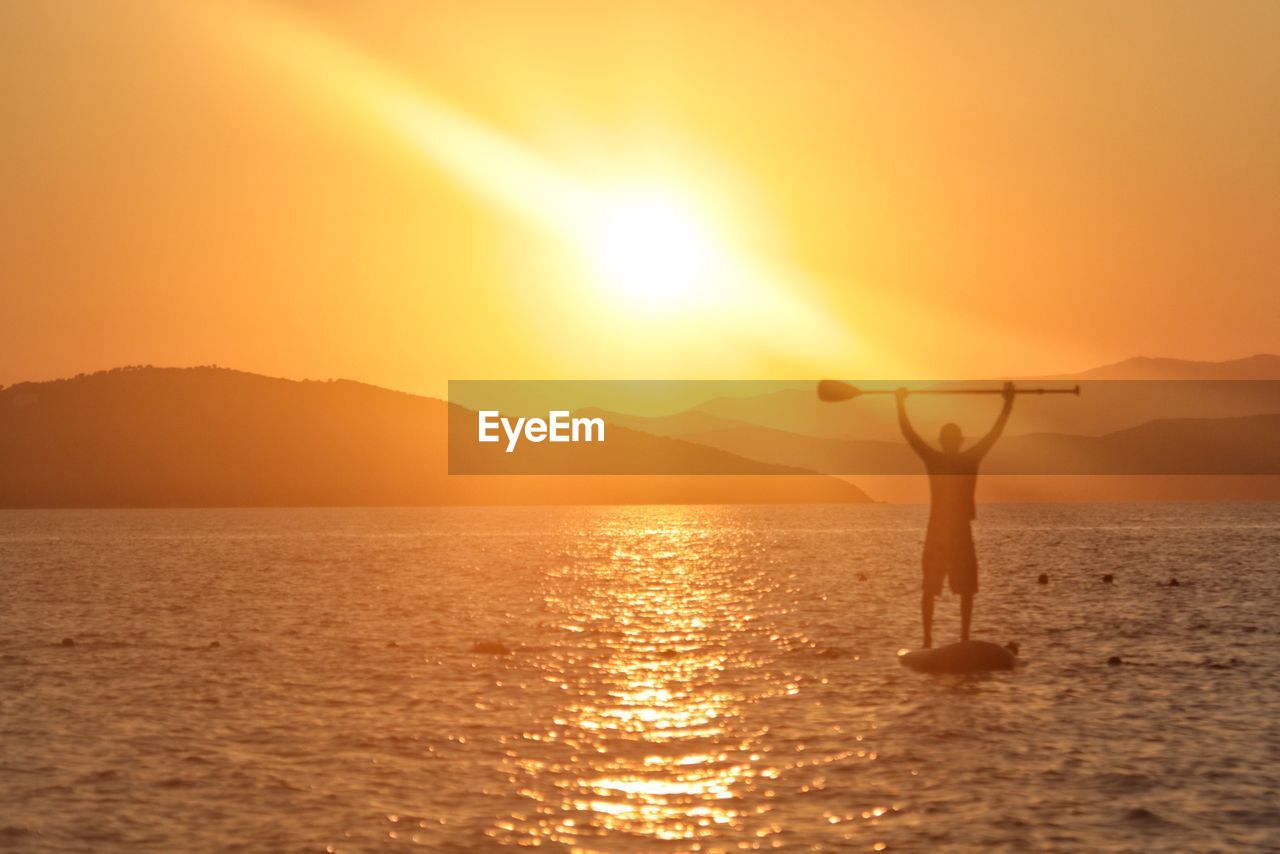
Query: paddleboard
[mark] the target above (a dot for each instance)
(972, 656)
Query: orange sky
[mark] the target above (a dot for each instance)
(932, 190)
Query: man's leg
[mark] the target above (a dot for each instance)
(926, 615)
(966, 614)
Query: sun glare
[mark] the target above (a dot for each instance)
(647, 243)
(653, 247)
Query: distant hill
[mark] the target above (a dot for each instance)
(679, 424)
(1114, 397)
(218, 437)
(790, 427)
(1210, 446)
(1263, 366)
(150, 437)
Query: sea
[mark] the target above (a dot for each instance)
(657, 678)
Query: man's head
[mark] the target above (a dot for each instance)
(951, 438)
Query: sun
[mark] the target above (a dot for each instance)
(653, 247)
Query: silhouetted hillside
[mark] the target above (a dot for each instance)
(1113, 397)
(217, 437)
(679, 424)
(1208, 446)
(1263, 366)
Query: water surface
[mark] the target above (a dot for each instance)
(681, 678)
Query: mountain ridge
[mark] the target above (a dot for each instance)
(209, 436)
(400, 440)
(1260, 366)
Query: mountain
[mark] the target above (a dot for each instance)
(679, 424)
(1211, 446)
(1263, 366)
(1207, 446)
(814, 453)
(1113, 397)
(216, 437)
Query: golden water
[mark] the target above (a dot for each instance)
(681, 678)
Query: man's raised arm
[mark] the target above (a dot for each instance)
(908, 432)
(984, 444)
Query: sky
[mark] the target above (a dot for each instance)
(408, 193)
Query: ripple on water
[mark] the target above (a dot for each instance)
(682, 678)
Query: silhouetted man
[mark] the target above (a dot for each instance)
(948, 545)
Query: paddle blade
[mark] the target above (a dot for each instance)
(834, 391)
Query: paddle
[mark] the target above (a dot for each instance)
(834, 391)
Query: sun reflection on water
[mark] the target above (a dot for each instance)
(665, 649)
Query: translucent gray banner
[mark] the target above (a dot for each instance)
(646, 427)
